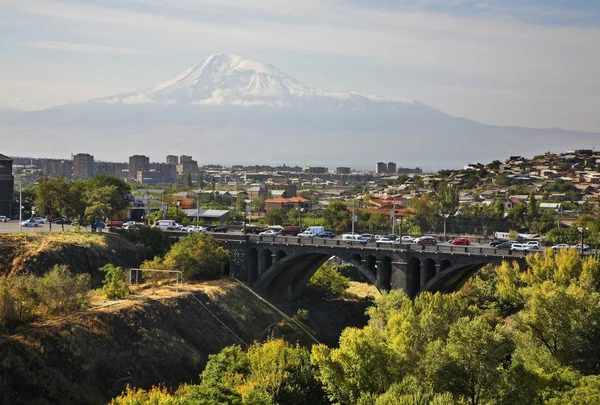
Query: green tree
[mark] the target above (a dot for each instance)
(197, 256)
(276, 216)
(61, 291)
(188, 181)
(327, 280)
(114, 283)
(51, 198)
(240, 203)
(337, 216)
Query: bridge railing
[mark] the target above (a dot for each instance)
(474, 250)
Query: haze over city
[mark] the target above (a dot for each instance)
(505, 63)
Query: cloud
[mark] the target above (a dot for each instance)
(85, 48)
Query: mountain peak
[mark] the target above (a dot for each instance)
(225, 79)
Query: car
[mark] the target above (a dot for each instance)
(561, 246)
(306, 234)
(505, 245)
(497, 242)
(114, 223)
(391, 236)
(291, 230)
(4, 219)
(426, 240)
(369, 237)
(385, 241)
(461, 241)
(194, 229)
(253, 229)
(327, 234)
(269, 232)
(353, 238)
(61, 220)
(220, 228)
(30, 223)
(407, 239)
(585, 247)
(134, 225)
(533, 243)
(40, 220)
(524, 247)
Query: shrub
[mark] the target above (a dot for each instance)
(327, 280)
(198, 256)
(114, 284)
(61, 291)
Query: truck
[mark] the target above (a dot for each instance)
(312, 231)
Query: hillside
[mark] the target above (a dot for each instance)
(164, 337)
(82, 252)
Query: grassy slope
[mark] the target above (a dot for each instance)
(83, 252)
(167, 338)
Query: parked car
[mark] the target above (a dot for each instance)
(291, 230)
(269, 232)
(385, 241)
(585, 247)
(426, 240)
(561, 246)
(62, 220)
(253, 229)
(407, 239)
(30, 223)
(461, 241)
(4, 219)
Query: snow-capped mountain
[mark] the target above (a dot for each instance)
(230, 110)
(224, 79)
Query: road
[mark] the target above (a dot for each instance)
(13, 226)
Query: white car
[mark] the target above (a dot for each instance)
(194, 228)
(561, 246)
(269, 232)
(407, 239)
(3, 219)
(524, 247)
(385, 241)
(30, 223)
(585, 247)
(40, 220)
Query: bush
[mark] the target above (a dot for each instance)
(154, 241)
(114, 284)
(61, 291)
(198, 256)
(327, 280)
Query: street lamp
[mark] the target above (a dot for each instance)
(400, 216)
(582, 230)
(177, 204)
(198, 207)
(20, 203)
(353, 218)
(445, 218)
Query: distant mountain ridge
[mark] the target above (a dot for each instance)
(227, 109)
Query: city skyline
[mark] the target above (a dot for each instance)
(529, 63)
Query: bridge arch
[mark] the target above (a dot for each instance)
(371, 264)
(428, 270)
(413, 277)
(287, 278)
(452, 278)
(445, 264)
(385, 273)
(280, 255)
(253, 264)
(267, 260)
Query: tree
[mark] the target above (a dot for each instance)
(188, 181)
(327, 280)
(62, 292)
(114, 283)
(51, 198)
(240, 203)
(197, 256)
(106, 195)
(532, 207)
(276, 216)
(337, 216)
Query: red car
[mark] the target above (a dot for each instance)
(461, 241)
(114, 223)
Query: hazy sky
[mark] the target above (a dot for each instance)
(508, 62)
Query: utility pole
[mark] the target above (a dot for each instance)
(353, 217)
(198, 207)
(20, 203)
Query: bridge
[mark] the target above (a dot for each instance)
(280, 267)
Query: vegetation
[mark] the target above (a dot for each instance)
(114, 283)
(328, 281)
(197, 255)
(509, 337)
(27, 298)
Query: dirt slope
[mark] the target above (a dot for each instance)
(166, 337)
(83, 252)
